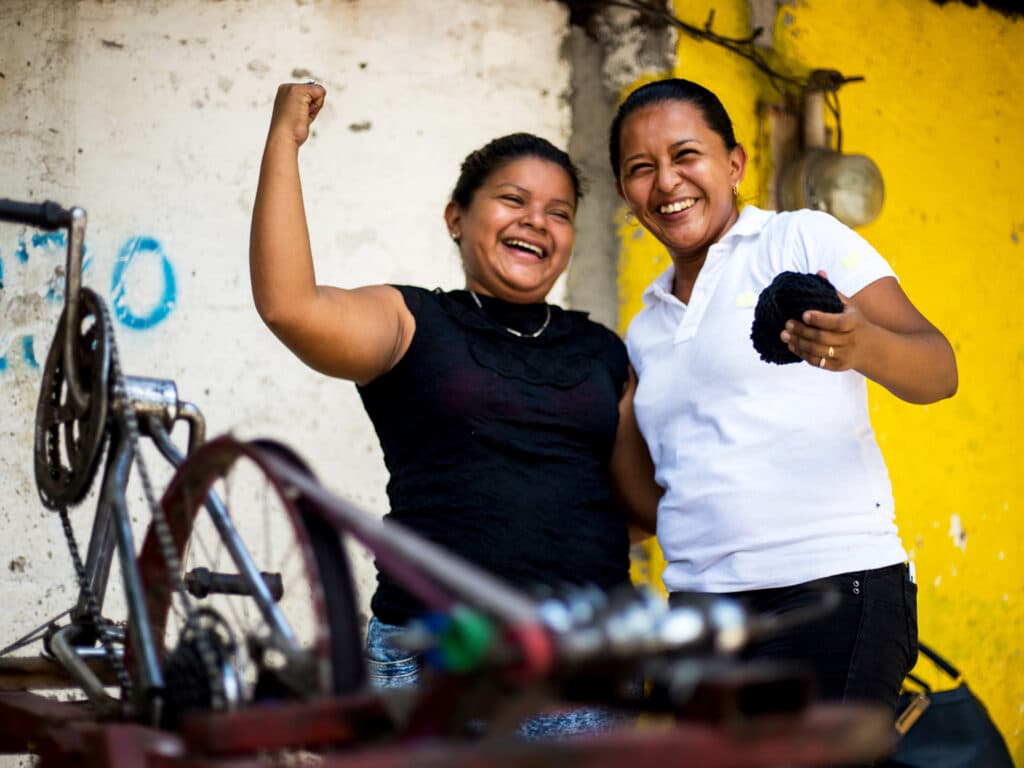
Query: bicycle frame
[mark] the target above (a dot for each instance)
(157, 408)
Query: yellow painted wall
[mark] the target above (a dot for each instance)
(942, 113)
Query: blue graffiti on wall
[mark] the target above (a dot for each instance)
(28, 354)
(28, 351)
(131, 253)
(137, 257)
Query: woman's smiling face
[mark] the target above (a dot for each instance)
(517, 235)
(677, 177)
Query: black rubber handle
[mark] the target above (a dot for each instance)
(48, 215)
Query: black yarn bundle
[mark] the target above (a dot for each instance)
(788, 296)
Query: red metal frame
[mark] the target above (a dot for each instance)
(353, 733)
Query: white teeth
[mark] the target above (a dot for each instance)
(682, 205)
(528, 246)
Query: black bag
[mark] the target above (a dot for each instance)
(945, 729)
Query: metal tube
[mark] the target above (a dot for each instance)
(140, 629)
(196, 424)
(72, 295)
(90, 684)
(99, 558)
(152, 397)
(476, 587)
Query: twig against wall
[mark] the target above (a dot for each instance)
(745, 47)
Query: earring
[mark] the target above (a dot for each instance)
(454, 236)
(630, 218)
(735, 189)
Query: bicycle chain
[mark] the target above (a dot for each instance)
(165, 540)
(92, 604)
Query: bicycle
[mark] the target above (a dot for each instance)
(210, 623)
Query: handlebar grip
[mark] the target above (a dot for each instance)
(47, 215)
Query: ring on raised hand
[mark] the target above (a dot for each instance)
(311, 82)
(821, 363)
(831, 352)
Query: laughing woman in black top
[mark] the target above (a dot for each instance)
(506, 423)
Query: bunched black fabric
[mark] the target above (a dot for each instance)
(498, 446)
(788, 296)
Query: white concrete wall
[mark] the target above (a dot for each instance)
(151, 116)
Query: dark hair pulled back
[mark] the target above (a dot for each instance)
(672, 89)
(497, 153)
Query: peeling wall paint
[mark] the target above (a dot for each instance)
(939, 112)
(152, 117)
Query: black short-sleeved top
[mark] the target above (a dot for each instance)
(498, 446)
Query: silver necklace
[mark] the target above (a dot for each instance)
(513, 331)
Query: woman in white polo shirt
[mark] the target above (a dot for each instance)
(775, 485)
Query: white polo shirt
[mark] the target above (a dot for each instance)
(772, 473)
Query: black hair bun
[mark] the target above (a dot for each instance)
(788, 296)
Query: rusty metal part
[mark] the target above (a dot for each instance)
(27, 718)
(346, 733)
(41, 673)
(316, 725)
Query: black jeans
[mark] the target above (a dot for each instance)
(862, 650)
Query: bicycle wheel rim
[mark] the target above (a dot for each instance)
(330, 635)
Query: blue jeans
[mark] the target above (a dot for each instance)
(389, 666)
(862, 650)
(392, 667)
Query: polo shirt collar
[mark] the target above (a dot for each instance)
(750, 222)
(661, 288)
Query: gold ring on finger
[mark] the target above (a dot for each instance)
(831, 352)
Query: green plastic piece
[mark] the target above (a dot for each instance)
(467, 640)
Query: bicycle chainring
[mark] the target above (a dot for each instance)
(68, 440)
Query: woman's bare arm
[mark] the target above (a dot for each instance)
(881, 334)
(632, 471)
(355, 334)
